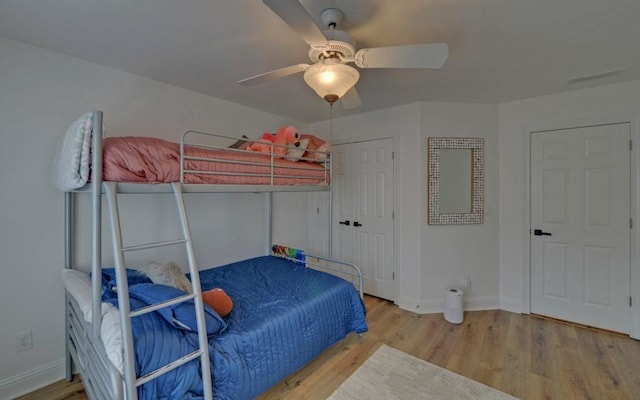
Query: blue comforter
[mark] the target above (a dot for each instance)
(284, 315)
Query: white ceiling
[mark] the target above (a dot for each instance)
(499, 50)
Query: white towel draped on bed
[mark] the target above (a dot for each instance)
(70, 168)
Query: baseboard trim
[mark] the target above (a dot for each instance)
(481, 303)
(432, 306)
(31, 380)
(410, 304)
(511, 304)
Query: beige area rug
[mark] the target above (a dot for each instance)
(391, 374)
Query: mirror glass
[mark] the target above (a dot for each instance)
(455, 180)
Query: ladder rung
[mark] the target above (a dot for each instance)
(131, 380)
(164, 369)
(157, 306)
(152, 245)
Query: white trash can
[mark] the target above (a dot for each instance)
(453, 311)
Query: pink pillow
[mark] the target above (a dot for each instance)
(317, 145)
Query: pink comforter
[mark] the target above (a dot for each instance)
(153, 160)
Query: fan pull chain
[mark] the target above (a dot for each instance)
(331, 123)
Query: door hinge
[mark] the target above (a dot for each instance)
(393, 155)
(630, 301)
(393, 215)
(630, 145)
(393, 277)
(630, 223)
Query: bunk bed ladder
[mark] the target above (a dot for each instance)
(131, 380)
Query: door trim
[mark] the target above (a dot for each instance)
(633, 119)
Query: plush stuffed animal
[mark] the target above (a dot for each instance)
(269, 137)
(169, 274)
(285, 136)
(219, 300)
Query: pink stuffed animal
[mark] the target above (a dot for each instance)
(285, 136)
(270, 137)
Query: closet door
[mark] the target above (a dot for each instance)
(342, 203)
(363, 212)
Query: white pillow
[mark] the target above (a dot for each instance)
(70, 169)
(295, 153)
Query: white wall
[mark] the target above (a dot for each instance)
(431, 258)
(41, 93)
(449, 252)
(620, 102)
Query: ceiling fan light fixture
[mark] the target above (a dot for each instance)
(331, 80)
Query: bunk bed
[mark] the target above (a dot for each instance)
(130, 338)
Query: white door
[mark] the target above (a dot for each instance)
(580, 222)
(363, 212)
(342, 235)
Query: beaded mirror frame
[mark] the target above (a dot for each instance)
(476, 213)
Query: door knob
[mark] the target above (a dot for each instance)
(539, 232)
(345, 222)
(356, 223)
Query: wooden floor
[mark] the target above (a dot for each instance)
(527, 357)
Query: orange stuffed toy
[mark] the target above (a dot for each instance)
(285, 136)
(219, 300)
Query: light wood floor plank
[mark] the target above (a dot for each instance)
(525, 356)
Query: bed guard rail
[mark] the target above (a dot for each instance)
(196, 139)
(346, 270)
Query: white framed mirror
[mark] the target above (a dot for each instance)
(455, 180)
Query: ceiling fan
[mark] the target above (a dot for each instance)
(330, 51)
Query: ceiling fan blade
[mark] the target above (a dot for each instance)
(351, 99)
(412, 56)
(295, 15)
(275, 74)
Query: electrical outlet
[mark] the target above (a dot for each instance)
(466, 282)
(24, 341)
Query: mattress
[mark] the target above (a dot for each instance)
(154, 160)
(284, 315)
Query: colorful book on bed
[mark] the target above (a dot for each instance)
(295, 255)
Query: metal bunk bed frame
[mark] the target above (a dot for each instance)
(83, 343)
